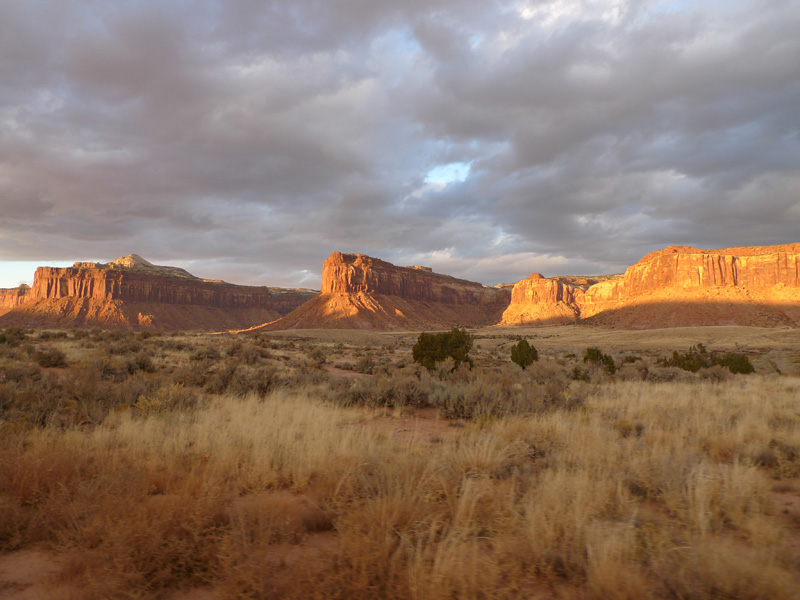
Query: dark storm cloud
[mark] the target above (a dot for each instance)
(248, 140)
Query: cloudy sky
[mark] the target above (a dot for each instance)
(248, 139)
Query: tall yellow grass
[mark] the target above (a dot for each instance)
(648, 490)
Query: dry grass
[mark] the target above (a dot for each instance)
(644, 490)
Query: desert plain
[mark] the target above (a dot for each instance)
(328, 464)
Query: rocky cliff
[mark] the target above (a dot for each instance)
(361, 292)
(676, 286)
(131, 292)
(682, 267)
(13, 297)
(358, 273)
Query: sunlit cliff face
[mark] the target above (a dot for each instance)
(675, 286)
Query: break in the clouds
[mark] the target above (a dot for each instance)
(248, 140)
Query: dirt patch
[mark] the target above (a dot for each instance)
(28, 575)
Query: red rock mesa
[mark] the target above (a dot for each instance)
(133, 293)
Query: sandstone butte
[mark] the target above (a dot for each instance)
(361, 292)
(674, 287)
(135, 294)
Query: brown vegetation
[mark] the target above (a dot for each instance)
(269, 466)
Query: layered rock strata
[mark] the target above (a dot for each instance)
(361, 292)
(676, 286)
(132, 292)
(13, 297)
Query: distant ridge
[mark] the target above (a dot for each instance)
(133, 293)
(672, 287)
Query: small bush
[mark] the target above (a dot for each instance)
(209, 353)
(523, 354)
(52, 335)
(698, 357)
(596, 356)
(736, 363)
(695, 359)
(579, 374)
(365, 365)
(436, 347)
(52, 357)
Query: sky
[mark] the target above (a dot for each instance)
(246, 140)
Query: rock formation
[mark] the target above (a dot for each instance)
(361, 292)
(676, 286)
(13, 297)
(131, 292)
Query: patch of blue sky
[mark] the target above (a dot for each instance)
(449, 173)
(15, 272)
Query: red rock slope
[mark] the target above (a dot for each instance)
(360, 292)
(677, 286)
(133, 293)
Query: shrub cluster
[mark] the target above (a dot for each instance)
(698, 357)
(523, 354)
(432, 348)
(596, 356)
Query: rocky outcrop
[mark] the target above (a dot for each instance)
(105, 295)
(676, 286)
(13, 297)
(361, 292)
(542, 300)
(135, 286)
(683, 267)
(358, 273)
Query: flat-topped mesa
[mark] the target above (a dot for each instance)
(545, 300)
(361, 292)
(135, 286)
(358, 273)
(677, 275)
(13, 297)
(683, 267)
(132, 292)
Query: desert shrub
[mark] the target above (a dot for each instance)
(52, 335)
(523, 354)
(206, 353)
(695, 359)
(436, 347)
(595, 356)
(365, 365)
(259, 380)
(698, 357)
(110, 367)
(662, 374)
(13, 336)
(735, 362)
(716, 373)
(140, 362)
(579, 374)
(165, 399)
(20, 372)
(51, 357)
(317, 355)
(219, 379)
(124, 346)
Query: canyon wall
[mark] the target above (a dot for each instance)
(133, 286)
(692, 286)
(361, 292)
(358, 273)
(13, 297)
(683, 267)
(107, 294)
